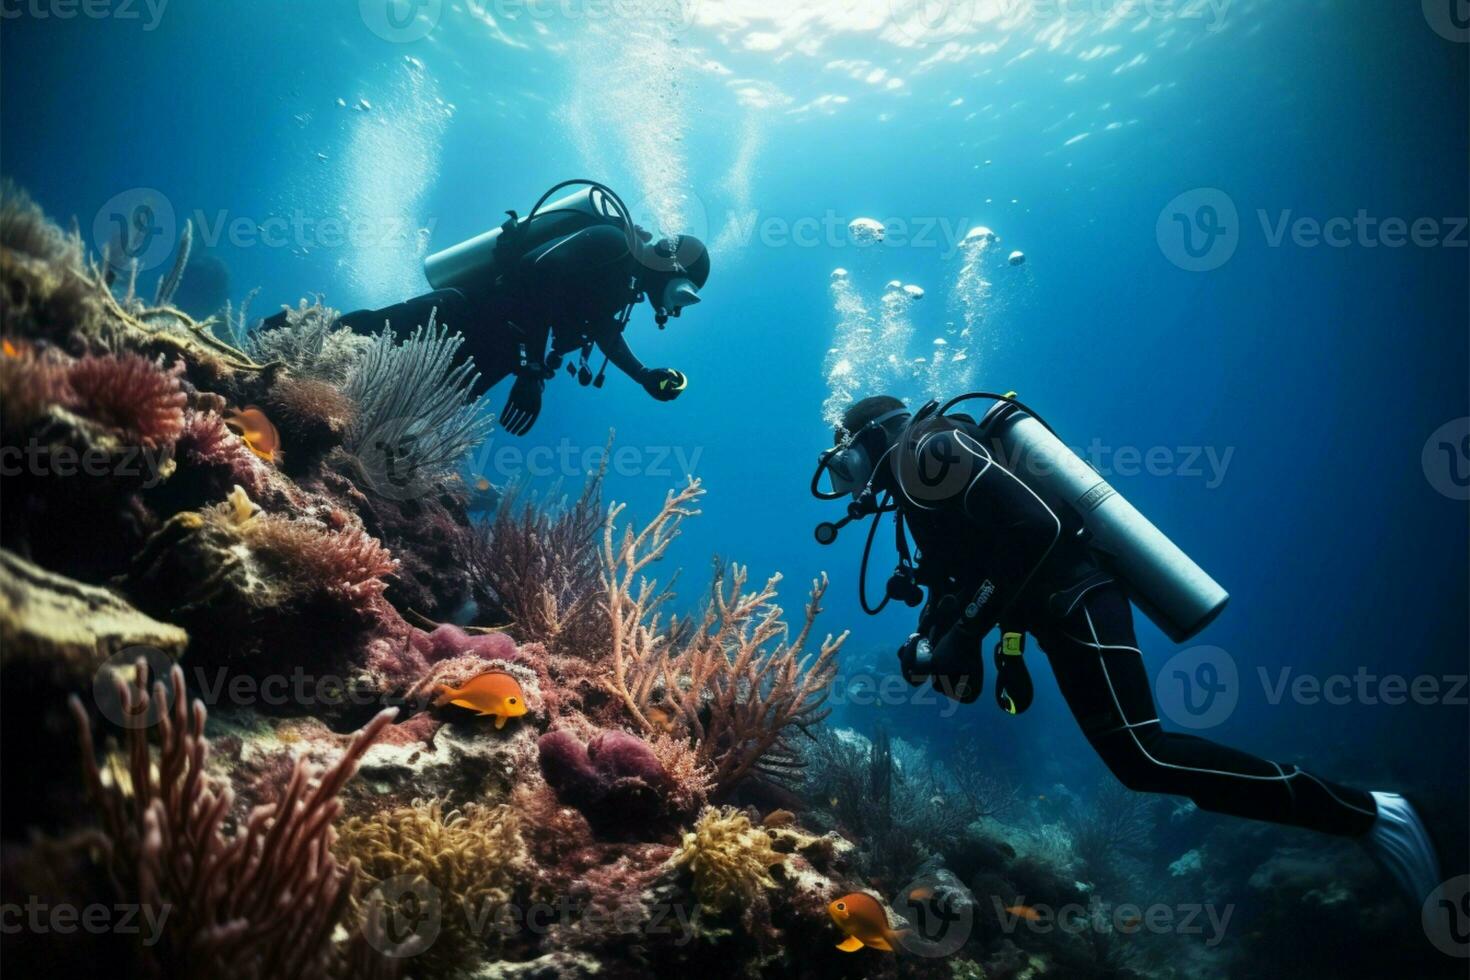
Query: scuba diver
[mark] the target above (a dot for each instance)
(1013, 530)
(561, 280)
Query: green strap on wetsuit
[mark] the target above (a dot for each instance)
(1013, 689)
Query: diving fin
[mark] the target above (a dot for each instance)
(850, 945)
(1399, 842)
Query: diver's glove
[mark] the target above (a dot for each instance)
(953, 664)
(665, 384)
(523, 406)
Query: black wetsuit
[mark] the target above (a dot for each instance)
(571, 290)
(989, 547)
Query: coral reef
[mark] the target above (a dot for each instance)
(261, 901)
(737, 682)
(416, 418)
(618, 783)
(542, 570)
(310, 344)
(468, 862)
(730, 859)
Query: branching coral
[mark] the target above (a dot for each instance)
(472, 859)
(260, 902)
(736, 683)
(541, 564)
(730, 859)
(310, 344)
(417, 416)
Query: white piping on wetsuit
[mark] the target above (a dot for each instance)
(1283, 778)
(981, 453)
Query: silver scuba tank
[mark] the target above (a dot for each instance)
(1162, 580)
(475, 260)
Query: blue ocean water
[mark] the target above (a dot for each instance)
(1272, 400)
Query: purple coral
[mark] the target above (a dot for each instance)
(615, 780)
(450, 641)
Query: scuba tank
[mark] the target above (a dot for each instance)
(487, 256)
(1167, 585)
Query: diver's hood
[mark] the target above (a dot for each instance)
(677, 294)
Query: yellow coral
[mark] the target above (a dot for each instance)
(472, 857)
(729, 858)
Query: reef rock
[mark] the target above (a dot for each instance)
(65, 629)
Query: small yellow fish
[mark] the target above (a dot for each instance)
(1023, 912)
(493, 693)
(252, 425)
(864, 923)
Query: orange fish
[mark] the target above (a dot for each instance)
(864, 922)
(1024, 912)
(11, 348)
(492, 693)
(251, 425)
(1130, 922)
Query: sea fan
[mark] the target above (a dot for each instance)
(417, 416)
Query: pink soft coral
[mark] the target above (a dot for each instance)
(347, 564)
(207, 441)
(131, 394)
